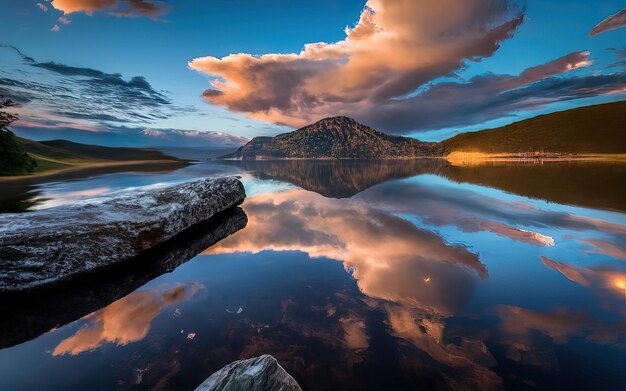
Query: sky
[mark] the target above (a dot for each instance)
(213, 72)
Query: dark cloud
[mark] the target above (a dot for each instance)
(613, 22)
(492, 96)
(18, 51)
(65, 92)
(101, 78)
(479, 100)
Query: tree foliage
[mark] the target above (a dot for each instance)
(13, 159)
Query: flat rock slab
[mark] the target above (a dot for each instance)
(262, 373)
(55, 244)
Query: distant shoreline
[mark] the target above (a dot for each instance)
(464, 156)
(93, 166)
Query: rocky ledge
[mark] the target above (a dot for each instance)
(57, 244)
(262, 373)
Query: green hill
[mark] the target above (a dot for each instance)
(13, 158)
(591, 129)
(61, 154)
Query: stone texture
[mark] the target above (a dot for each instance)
(51, 245)
(28, 314)
(335, 138)
(262, 373)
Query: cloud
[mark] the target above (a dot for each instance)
(64, 20)
(55, 28)
(492, 96)
(122, 8)
(124, 321)
(388, 71)
(192, 137)
(613, 22)
(395, 48)
(42, 7)
(61, 92)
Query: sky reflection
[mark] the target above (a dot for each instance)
(423, 280)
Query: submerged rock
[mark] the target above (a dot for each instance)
(52, 245)
(258, 373)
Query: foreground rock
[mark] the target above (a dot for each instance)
(52, 245)
(262, 373)
(28, 314)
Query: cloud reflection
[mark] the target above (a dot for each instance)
(560, 325)
(411, 275)
(588, 276)
(124, 321)
(388, 256)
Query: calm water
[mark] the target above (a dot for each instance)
(380, 275)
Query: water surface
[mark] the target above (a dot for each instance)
(358, 275)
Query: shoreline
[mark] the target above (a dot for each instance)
(472, 158)
(455, 157)
(92, 166)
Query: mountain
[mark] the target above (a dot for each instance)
(599, 129)
(63, 154)
(591, 129)
(335, 138)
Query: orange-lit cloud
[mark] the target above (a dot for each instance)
(42, 7)
(595, 277)
(605, 247)
(395, 47)
(381, 72)
(389, 257)
(124, 321)
(355, 335)
(124, 8)
(427, 335)
(612, 22)
(560, 325)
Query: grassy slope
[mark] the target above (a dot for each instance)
(591, 129)
(59, 154)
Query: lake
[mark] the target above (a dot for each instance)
(412, 274)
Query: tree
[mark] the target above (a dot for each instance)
(13, 159)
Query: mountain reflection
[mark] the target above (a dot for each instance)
(339, 178)
(580, 183)
(124, 321)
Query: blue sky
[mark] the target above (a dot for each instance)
(159, 51)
